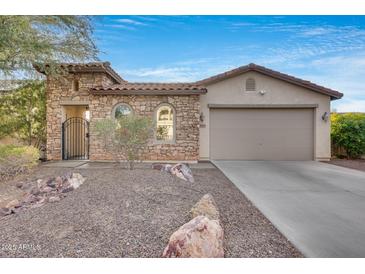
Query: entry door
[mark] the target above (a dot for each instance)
(261, 134)
(75, 139)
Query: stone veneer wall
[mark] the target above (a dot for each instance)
(186, 145)
(60, 90)
(187, 109)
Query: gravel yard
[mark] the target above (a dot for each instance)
(358, 164)
(122, 213)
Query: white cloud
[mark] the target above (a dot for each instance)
(349, 106)
(182, 71)
(317, 31)
(120, 26)
(162, 73)
(130, 22)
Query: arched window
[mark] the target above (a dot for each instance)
(121, 110)
(165, 123)
(250, 84)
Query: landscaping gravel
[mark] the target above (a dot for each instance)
(358, 164)
(122, 213)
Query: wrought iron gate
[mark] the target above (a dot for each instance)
(75, 139)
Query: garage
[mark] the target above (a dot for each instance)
(261, 133)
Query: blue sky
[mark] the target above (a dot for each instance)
(328, 50)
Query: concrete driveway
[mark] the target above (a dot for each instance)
(319, 207)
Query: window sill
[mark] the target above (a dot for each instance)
(173, 142)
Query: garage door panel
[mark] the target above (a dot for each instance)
(261, 134)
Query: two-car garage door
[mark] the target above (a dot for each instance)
(261, 134)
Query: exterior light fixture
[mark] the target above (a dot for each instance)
(201, 117)
(262, 92)
(325, 116)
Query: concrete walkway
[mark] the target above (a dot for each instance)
(319, 207)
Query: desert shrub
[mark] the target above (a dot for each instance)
(16, 159)
(126, 137)
(348, 134)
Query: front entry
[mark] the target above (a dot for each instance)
(75, 139)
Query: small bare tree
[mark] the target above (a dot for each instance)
(125, 138)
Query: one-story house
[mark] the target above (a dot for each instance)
(248, 113)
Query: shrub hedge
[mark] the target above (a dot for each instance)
(348, 134)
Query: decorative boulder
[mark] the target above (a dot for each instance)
(207, 207)
(76, 180)
(54, 199)
(199, 238)
(162, 167)
(14, 204)
(182, 171)
(5, 211)
(67, 189)
(29, 198)
(57, 182)
(34, 190)
(158, 166)
(51, 182)
(41, 191)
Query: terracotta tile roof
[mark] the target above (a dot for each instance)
(150, 89)
(275, 74)
(199, 87)
(86, 67)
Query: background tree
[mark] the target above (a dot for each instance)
(348, 133)
(41, 40)
(23, 113)
(25, 40)
(126, 138)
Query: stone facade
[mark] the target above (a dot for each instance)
(61, 93)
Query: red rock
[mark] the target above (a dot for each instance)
(199, 238)
(157, 166)
(14, 204)
(58, 182)
(54, 199)
(67, 189)
(29, 198)
(47, 189)
(34, 190)
(182, 171)
(5, 211)
(206, 206)
(51, 182)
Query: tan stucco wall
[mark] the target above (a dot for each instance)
(232, 91)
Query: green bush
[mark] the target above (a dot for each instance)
(348, 133)
(23, 113)
(126, 137)
(16, 159)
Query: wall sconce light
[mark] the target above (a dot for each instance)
(325, 116)
(262, 92)
(201, 117)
